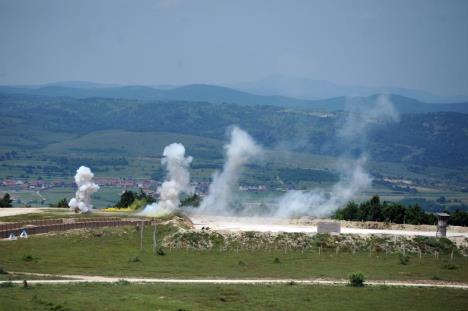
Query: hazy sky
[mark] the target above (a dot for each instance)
(413, 44)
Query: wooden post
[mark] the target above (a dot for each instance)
(154, 237)
(141, 235)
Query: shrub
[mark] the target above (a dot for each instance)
(135, 259)
(7, 284)
(25, 284)
(277, 260)
(160, 252)
(241, 263)
(28, 258)
(450, 266)
(3, 271)
(404, 259)
(122, 282)
(356, 279)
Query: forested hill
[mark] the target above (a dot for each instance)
(218, 94)
(435, 139)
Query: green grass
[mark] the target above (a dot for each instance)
(61, 213)
(228, 297)
(21, 276)
(111, 253)
(128, 143)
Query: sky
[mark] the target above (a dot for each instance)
(413, 44)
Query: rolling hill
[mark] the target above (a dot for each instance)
(219, 94)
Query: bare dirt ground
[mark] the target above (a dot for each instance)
(308, 225)
(104, 279)
(12, 211)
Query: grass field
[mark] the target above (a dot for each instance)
(228, 297)
(112, 253)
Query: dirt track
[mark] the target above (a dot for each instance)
(235, 224)
(339, 282)
(11, 211)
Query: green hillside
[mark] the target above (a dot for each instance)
(49, 137)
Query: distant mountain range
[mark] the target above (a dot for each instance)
(220, 94)
(320, 89)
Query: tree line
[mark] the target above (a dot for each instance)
(375, 210)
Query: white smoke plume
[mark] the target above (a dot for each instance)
(239, 151)
(177, 181)
(319, 203)
(353, 176)
(86, 187)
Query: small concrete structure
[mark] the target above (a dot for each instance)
(328, 227)
(442, 224)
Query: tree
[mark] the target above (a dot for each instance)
(350, 212)
(374, 210)
(193, 200)
(63, 203)
(6, 201)
(459, 218)
(142, 195)
(126, 199)
(129, 197)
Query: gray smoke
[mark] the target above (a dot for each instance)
(353, 177)
(177, 181)
(239, 151)
(86, 187)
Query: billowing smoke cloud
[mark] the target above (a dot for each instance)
(353, 176)
(86, 187)
(239, 151)
(177, 181)
(319, 203)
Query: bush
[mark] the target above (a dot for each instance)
(241, 263)
(135, 259)
(404, 259)
(160, 252)
(356, 280)
(277, 260)
(3, 271)
(122, 282)
(25, 284)
(28, 258)
(450, 266)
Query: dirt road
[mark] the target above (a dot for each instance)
(104, 279)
